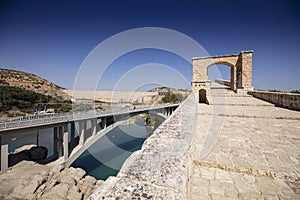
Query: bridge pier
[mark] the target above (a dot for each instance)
(94, 126)
(66, 142)
(55, 131)
(72, 132)
(82, 125)
(4, 155)
(60, 141)
(103, 122)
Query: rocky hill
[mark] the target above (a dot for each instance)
(31, 82)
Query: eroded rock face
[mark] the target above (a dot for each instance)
(29, 180)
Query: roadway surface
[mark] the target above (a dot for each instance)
(55, 118)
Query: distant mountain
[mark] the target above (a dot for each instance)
(167, 89)
(31, 82)
(162, 89)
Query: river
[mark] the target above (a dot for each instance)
(106, 156)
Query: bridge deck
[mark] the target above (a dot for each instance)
(46, 120)
(256, 156)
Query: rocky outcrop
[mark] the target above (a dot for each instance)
(29, 180)
(31, 82)
(38, 153)
(27, 152)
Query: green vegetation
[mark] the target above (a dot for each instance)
(67, 107)
(20, 98)
(25, 101)
(295, 91)
(149, 120)
(173, 98)
(26, 111)
(83, 107)
(17, 114)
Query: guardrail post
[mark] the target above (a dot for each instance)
(66, 142)
(4, 155)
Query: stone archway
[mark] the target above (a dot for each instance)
(232, 83)
(240, 71)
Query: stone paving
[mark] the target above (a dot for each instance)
(254, 153)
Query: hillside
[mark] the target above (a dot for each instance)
(30, 82)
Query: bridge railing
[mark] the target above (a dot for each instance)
(63, 117)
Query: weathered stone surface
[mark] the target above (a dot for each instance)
(76, 173)
(29, 180)
(256, 155)
(122, 188)
(286, 100)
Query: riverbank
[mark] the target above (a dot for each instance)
(29, 180)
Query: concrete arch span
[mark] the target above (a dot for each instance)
(78, 150)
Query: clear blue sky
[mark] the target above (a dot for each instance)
(52, 38)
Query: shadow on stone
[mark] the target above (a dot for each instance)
(37, 154)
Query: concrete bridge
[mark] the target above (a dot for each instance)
(69, 148)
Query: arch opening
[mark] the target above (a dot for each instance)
(219, 72)
(222, 74)
(202, 96)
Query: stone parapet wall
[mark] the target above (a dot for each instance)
(223, 82)
(285, 100)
